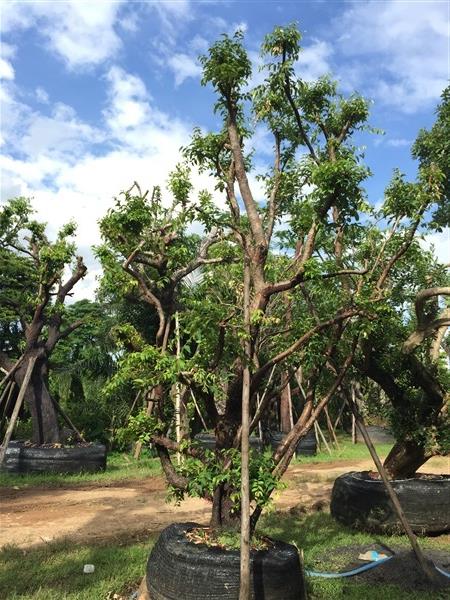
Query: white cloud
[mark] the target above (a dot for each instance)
(440, 243)
(59, 170)
(6, 69)
(313, 60)
(399, 142)
(397, 50)
(41, 95)
(79, 33)
(183, 66)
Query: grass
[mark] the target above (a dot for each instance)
(346, 451)
(120, 466)
(55, 571)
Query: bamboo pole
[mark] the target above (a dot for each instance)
(426, 565)
(15, 414)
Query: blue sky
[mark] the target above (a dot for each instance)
(98, 94)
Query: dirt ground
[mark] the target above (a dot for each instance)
(33, 516)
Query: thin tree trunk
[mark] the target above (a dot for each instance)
(17, 407)
(285, 408)
(244, 587)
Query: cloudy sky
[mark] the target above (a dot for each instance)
(96, 94)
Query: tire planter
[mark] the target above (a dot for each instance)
(208, 440)
(307, 446)
(27, 459)
(178, 569)
(363, 503)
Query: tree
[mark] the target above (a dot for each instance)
(331, 267)
(32, 296)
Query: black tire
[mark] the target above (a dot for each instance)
(208, 440)
(307, 446)
(25, 459)
(177, 569)
(378, 435)
(363, 503)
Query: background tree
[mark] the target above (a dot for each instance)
(32, 296)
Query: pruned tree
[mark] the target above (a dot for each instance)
(33, 291)
(336, 271)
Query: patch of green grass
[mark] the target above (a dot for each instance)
(120, 466)
(318, 535)
(346, 451)
(55, 572)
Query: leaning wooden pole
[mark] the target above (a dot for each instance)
(426, 565)
(16, 410)
(244, 585)
(11, 372)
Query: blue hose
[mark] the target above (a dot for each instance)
(361, 569)
(442, 572)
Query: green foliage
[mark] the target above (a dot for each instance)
(205, 475)
(432, 148)
(227, 66)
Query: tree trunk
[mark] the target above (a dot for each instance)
(222, 516)
(404, 459)
(43, 412)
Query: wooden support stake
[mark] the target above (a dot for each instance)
(11, 371)
(331, 429)
(67, 420)
(7, 405)
(317, 436)
(323, 439)
(198, 410)
(341, 410)
(6, 391)
(20, 397)
(426, 565)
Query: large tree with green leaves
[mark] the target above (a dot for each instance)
(309, 276)
(33, 292)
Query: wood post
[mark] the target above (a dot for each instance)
(316, 424)
(67, 420)
(198, 410)
(6, 391)
(330, 428)
(11, 371)
(15, 414)
(244, 581)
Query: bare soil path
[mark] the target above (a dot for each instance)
(32, 516)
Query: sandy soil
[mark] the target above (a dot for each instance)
(32, 516)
